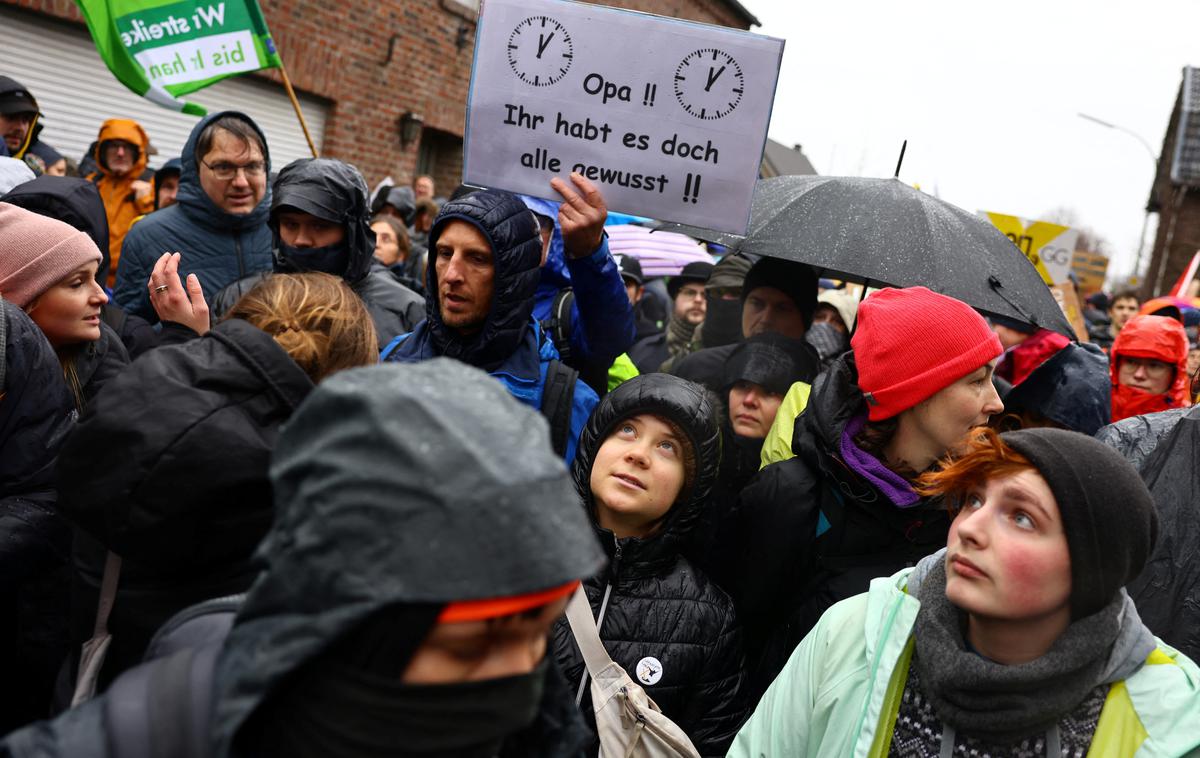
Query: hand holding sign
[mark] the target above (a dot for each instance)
(581, 217)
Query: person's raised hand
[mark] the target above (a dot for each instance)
(581, 215)
(142, 188)
(171, 301)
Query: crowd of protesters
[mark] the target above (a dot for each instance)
(291, 468)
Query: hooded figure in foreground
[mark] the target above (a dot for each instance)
(430, 633)
(1017, 639)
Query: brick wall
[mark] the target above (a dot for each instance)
(1178, 235)
(338, 49)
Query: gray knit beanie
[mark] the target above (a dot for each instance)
(1108, 514)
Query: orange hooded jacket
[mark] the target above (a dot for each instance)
(1158, 338)
(121, 203)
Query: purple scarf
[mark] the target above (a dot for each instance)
(895, 487)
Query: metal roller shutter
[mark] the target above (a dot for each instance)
(76, 92)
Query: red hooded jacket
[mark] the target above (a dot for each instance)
(1020, 361)
(1158, 338)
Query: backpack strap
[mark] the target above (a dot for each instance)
(391, 346)
(558, 326)
(164, 708)
(558, 399)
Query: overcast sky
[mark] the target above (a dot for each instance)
(987, 95)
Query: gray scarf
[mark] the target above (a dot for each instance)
(1004, 703)
(679, 337)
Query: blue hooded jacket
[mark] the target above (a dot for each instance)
(510, 346)
(602, 322)
(216, 246)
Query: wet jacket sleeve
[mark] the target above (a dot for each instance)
(718, 706)
(132, 276)
(602, 319)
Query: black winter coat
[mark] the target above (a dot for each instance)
(1164, 446)
(656, 603)
(169, 470)
(811, 531)
(36, 414)
(96, 363)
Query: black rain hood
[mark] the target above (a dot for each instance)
(332, 191)
(475, 506)
(69, 199)
(688, 406)
(196, 203)
(1072, 389)
(37, 411)
(516, 242)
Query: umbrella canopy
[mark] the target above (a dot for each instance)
(883, 232)
(660, 253)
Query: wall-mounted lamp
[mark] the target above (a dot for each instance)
(410, 128)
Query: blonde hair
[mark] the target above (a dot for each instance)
(316, 318)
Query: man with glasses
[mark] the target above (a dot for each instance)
(219, 221)
(121, 155)
(688, 308)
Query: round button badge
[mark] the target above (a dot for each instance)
(649, 670)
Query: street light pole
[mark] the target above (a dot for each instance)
(1137, 264)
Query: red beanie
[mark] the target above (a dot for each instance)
(911, 343)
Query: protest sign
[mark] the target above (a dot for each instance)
(1068, 300)
(668, 117)
(163, 49)
(1050, 247)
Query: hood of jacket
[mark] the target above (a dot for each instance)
(1019, 362)
(130, 131)
(196, 203)
(512, 232)
(173, 167)
(179, 449)
(478, 495)
(835, 400)
(1157, 338)
(69, 199)
(554, 275)
(332, 191)
(688, 406)
(37, 410)
(1072, 389)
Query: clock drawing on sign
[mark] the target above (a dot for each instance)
(540, 51)
(709, 83)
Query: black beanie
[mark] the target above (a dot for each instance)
(1108, 514)
(796, 280)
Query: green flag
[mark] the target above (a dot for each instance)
(162, 49)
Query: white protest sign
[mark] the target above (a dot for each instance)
(668, 118)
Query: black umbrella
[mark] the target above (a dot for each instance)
(884, 233)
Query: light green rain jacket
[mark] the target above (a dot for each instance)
(839, 693)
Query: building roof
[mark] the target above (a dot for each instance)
(1185, 163)
(743, 11)
(781, 160)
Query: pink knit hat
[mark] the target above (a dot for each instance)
(36, 252)
(911, 343)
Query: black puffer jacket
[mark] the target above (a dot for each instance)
(36, 413)
(169, 470)
(812, 531)
(656, 604)
(336, 192)
(77, 202)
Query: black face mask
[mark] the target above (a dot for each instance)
(337, 710)
(331, 259)
(722, 322)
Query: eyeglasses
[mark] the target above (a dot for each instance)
(226, 171)
(1151, 367)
